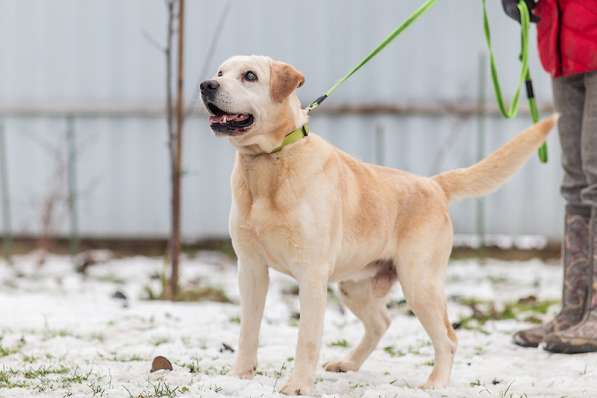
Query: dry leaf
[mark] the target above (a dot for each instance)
(160, 363)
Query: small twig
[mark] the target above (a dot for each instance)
(207, 59)
(279, 376)
(153, 41)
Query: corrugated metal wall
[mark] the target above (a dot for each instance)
(67, 53)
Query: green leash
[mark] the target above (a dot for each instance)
(387, 40)
(525, 75)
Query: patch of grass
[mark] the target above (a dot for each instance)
(415, 349)
(234, 319)
(508, 394)
(4, 377)
(476, 383)
(278, 374)
(196, 368)
(29, 358)
(391, 351)
(7, 382)
(193, 367)
(54, 333)
(130, 358)
(203, 293)
(159, 390)
(43, 371)
(354, 386)
(115, 357)
(192, 294)
(526, 308)
(342, 343)
(187, 341)
(163, 389)
(158, 341)
(215, 388)
(96, 389)
(498, 279)
(43, 385)
(96, 336)
(76, 378)
(533, 319)
(6, 351)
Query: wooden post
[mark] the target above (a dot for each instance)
(176, 183)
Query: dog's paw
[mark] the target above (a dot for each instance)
(296, 388)
(433, 384)
(244, 372)
(340, 366)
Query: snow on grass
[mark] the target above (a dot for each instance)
(64, 334)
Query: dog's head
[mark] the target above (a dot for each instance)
(252, 100)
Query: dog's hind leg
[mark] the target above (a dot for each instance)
(421, 270)
(367, 300)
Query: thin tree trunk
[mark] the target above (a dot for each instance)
(169, 103)
(176, 183)
(167, 292)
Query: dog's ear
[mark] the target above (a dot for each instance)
(284, 80)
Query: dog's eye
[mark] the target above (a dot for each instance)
(250, 76)
(220, 73)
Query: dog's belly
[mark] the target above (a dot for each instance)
(370, 270)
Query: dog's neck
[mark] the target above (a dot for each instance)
(291, 117)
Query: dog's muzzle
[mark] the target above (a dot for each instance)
(209, 88)
(222, 121)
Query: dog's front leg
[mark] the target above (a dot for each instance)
(312, 297)
(253, 283)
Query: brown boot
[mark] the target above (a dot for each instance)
(577, 279)
(581, 337)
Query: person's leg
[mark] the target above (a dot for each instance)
(589, 141)
(583, 337)
(569, 98)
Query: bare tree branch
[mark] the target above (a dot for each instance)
(208, 57)
(153, 41)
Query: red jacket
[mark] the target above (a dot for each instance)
(567, 36)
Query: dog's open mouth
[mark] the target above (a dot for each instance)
(228, 123)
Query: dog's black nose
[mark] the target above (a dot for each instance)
(209, 87)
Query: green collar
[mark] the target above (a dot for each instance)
(293, 137)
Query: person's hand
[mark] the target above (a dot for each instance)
(511, 9)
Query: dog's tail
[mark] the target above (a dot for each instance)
(493, 171)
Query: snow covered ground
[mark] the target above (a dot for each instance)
(65, 334)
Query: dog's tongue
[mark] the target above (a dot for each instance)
(236, 117)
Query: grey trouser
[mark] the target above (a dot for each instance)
(575, 99)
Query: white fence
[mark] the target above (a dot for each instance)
(72, 60)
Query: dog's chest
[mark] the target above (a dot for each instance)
(273, 234)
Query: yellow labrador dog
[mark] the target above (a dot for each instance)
(311, 211)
